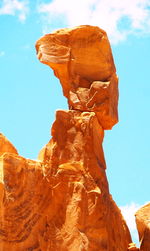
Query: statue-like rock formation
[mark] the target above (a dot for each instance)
(143, 226)
(82, 60)
(61, 202)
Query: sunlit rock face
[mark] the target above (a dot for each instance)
(61, 202)
(82, 60)
(132, 247)
(143, 226)
(6, 145)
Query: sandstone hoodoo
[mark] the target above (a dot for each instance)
(61, 202)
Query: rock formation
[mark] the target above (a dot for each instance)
(143, 226)
(82, 60)
(6, 145)
(61, 202)
(132, 247)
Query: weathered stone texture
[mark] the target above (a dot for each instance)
(82, 60)
(61, 202)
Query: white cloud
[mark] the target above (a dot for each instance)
(118, 17)
(128, 212)
(14, 7)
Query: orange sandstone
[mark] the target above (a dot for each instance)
(82, 60)
(132, 247)
(61, 202)
(6, 145)
(143, 226)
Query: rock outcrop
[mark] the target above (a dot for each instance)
(61, 202)
(143, 226)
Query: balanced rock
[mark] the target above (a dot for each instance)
(82, 60)
(143, 226)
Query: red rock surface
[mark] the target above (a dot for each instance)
(61, 202)
(143, 226)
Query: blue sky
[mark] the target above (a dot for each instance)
(30, 94)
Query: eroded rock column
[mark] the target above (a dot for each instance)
(82, 60)
(61, 202)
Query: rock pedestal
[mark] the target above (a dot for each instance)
(61, 202)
